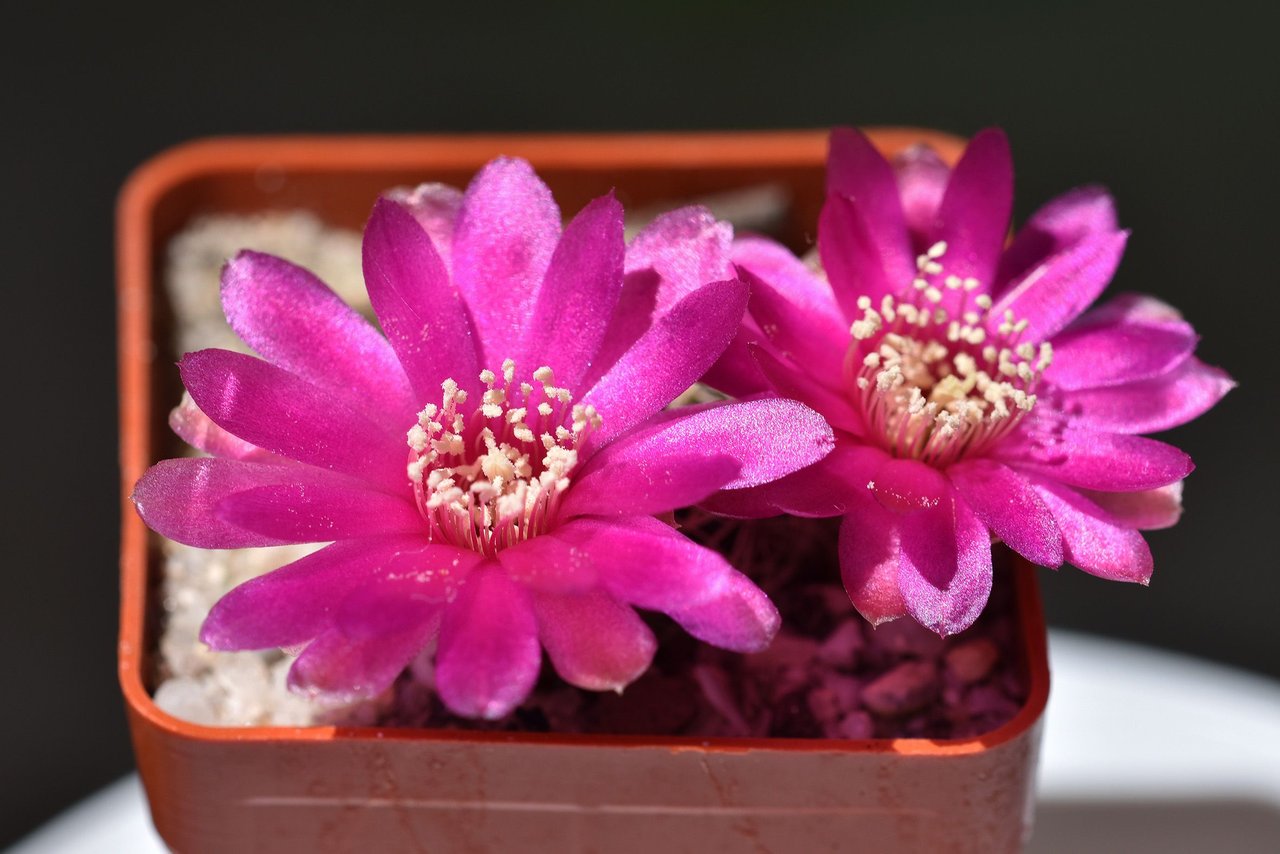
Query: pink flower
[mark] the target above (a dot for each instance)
(488, 473)
(972, 395)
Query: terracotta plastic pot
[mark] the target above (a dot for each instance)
(335, 789)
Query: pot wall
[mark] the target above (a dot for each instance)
(330, 789)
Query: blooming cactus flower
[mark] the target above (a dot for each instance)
(488, 473)
(972, 394)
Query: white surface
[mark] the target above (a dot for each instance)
(1143, 751)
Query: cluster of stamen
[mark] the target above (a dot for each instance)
(490, 477)
(934, 384)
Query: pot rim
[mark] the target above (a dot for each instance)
(135, 250)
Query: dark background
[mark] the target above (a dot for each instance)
(1172, 105)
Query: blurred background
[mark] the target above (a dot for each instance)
(1174, 109)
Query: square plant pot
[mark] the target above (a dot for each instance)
(329, 788)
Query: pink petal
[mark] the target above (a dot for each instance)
(418, 306)
(869, 548)
(973, 217)
(319, 512)
(297, 323)
(1109, 462)
(767, 438)
(1007, 504)
(594, 641)
(908, 486)
(1095, 356)
(340, 668)
(1092, 543)
(197, 430)
(789, 277)
(1149, 406)
(667, 359)
(687, 248)
(826, 488)
(1148, 510)
(297, 602)
(737, 616)
(1136, 308)
(1052, 294)
(1057, 226)
(790, 380)
(283, 413)
(578, 296)
(435, 207)
(816, 336)
(488, 657)
(854, 262)
(922, 181)
(944, 566)
(176, 498)
(632, 317)
(411, 588)
(632, 484)
(550, 563)
(506, 233)
(647, 563)
(858, 171)
(736, 372)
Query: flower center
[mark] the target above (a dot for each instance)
(493, 476)
(935, 385)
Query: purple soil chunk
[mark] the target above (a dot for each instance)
(906, 688)
(971, 661)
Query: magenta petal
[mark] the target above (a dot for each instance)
(669, 358)
(176, 498)
(922, 181)
(646, 562)
(1057, 226)
(737, 616)
(1149, 406)
(858, 171)
(1007, 504)
(576, 301)
(550, 563)
(435, 207)
(506, 233)
(973, 217)
(789, 277)
(790, 380)
(337, 667)
(1052, 294)
(631, 484)
(736, 372)
(1130, 308)
(768, 438)
(319, 512)
(297, 323)
(1148, 510)
(944, 567)
(198, 430)
(398, 601)
(1095, 356)
(1110, 462)
(816, 336)
(908, 486)
(869, 548)
(632, 317)
(418, 306)
(1094, 544)
(826, 488)
(488, 657)
(281, 412)
(297, 602)
(851, 257)
(686, 248)
(594, 641)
